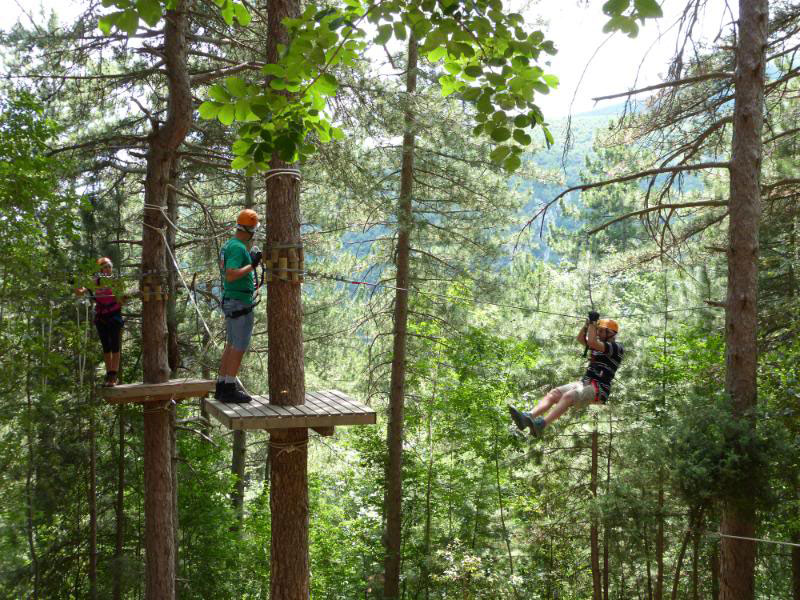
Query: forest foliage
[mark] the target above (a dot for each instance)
(494, 310)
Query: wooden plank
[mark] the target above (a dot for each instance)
(349, 401)
(185, 388)
(345, 402)
(324, 431)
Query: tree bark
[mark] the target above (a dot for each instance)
(92, 496)
(164, 141)
(796, 567)
(737, 557)
(597, 588)
(119, 537)
(238, 458)
(394, 435)
(659, 591)
(288, 452)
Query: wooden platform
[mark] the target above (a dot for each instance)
(175, 389)
(322, 412)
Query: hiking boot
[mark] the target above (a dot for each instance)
(111, 379)
(521, 419)
(230, 395)
(218, 389)
(537, 426)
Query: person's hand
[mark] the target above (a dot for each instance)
(80, 291)
(255, 257)
(593, 316)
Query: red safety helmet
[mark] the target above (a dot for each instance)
(609, 324)
(247, 220)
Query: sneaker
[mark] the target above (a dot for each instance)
(230, 395)
(111, 379)
(218, 389)
(537, 426)
(521, 419)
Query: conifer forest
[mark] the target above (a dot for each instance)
(429, 246)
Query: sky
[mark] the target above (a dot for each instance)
(575, 26)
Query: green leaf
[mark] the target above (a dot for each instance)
(548, 137)
(648, 9)
(150, 11)
(128, 21)
(399, 30)
(236, 86)
(452, 68)
(473, 71)
(512, 163)
(327, 84)
(227, 114)
(499, 153)
(219, 93)
(337, 133)
(551, 80)
(384, 33)
(104, 24)
(521, 121)
(522, 138)
(242, 14)
(241, 147)
(615, 7)
(209, 110)
(227, 13)
(501, 134)
(273, 69)
(241, 162)
(437, 54)
(242, 109)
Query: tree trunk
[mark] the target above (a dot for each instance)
(394, 435)
(679, 563)
(597, 589)
(119, 538)
(163, 144)
(737, 557)
(659, 591)
(237, 468)
(796, 567)
(288, 451)
(29, 481)
(92, 496)
(714, 560)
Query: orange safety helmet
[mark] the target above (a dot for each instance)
(103, 261)
(609, 324)
(247, 220)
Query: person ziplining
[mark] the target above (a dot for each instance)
(107, 318)
(238, 271)
(597, 336)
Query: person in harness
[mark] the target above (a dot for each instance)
(107, 319)
(238, 268)
(598, 336)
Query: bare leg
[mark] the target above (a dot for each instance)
(231, 361)
(108, 358)
(115, 361)
(560, 408)
(546, 403)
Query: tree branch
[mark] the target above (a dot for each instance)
(649, 209)
(624, 178)
(668, 84)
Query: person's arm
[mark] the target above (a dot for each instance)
(581, 337)
(591, 339)
(234, 274)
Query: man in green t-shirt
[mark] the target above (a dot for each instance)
(238, 267)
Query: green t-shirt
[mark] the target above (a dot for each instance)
(234, 255)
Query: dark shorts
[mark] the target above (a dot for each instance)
(109, 330)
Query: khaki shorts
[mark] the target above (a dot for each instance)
(584, 393)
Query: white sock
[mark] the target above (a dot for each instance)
(230, 379)
(221, 379)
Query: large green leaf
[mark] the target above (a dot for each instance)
(647, 9)
(150, 11)
(227, 114)
(209, 110)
